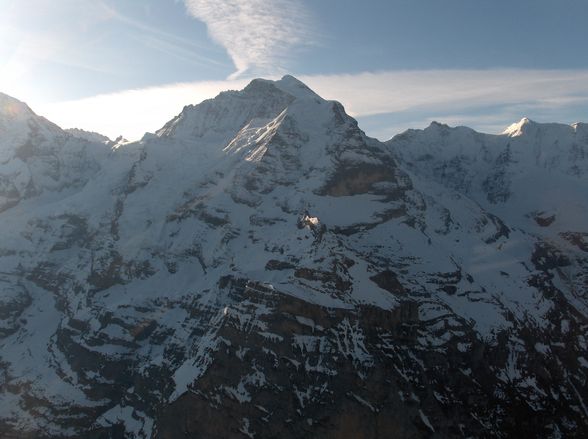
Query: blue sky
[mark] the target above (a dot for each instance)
(127, 66)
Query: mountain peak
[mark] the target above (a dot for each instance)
(13, 108)
(295, 87)
(287, 84)
(260, 85)
(18, 123)
(434, 125)
(218, 120)
(519, 128)
(580, 127)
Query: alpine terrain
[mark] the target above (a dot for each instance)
(261, 268)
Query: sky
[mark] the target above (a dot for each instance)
(124, 67)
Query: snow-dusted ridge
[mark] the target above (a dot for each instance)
(90, 136)
(259, 266)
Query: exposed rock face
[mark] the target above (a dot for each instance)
(261, 268)
(324, 355)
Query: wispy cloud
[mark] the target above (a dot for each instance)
(385, 102)
(257, 34)
(434, 90)
(158, 39)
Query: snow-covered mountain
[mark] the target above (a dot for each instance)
(37, 156)
(259, 267)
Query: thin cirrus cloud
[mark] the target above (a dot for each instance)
(258, 35)
(486, 100)
(483, 99)
(449, 90)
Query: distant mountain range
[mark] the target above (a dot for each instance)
(261, 268)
